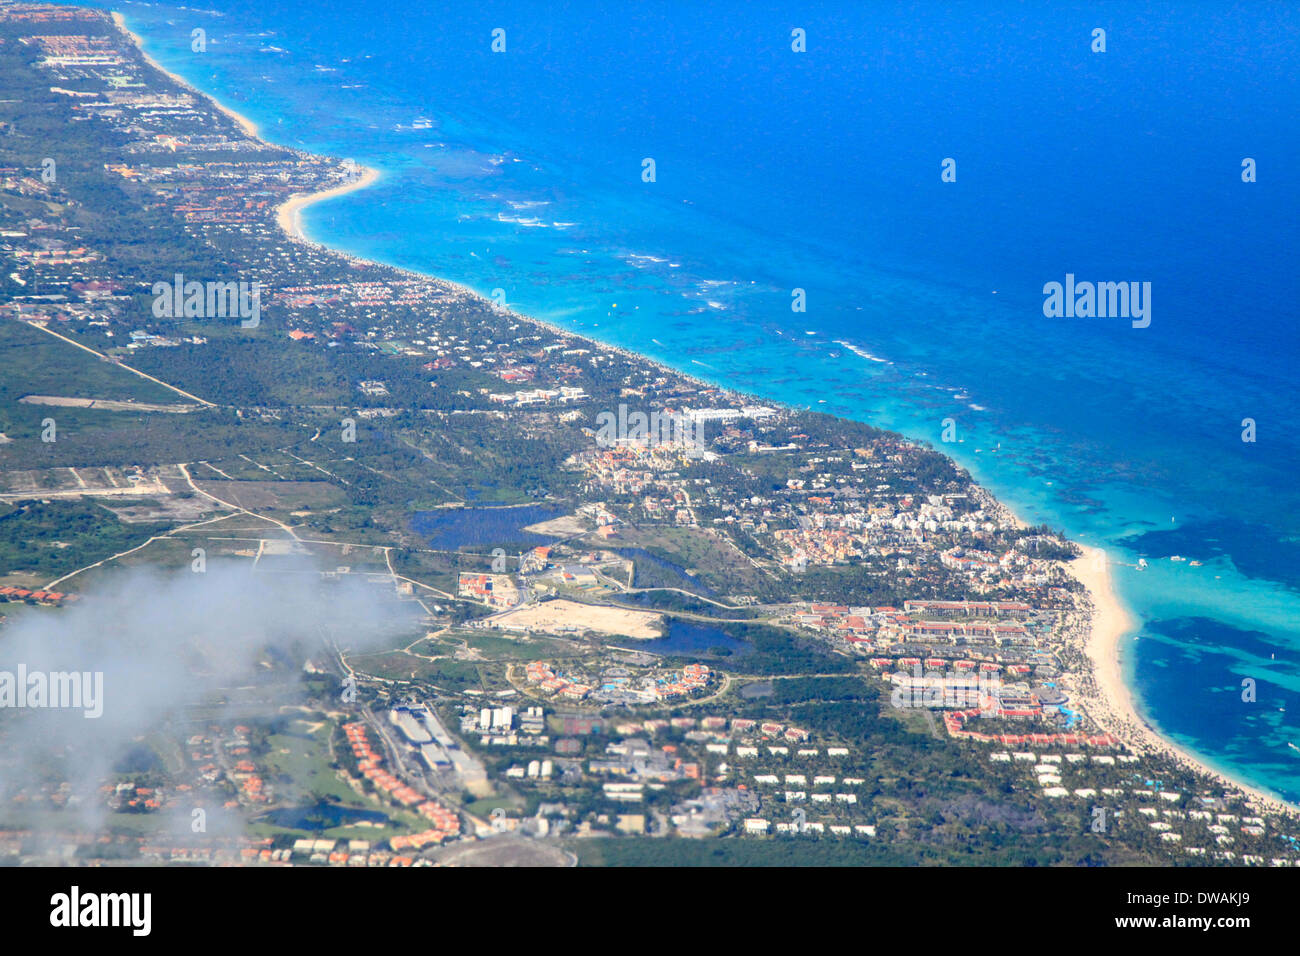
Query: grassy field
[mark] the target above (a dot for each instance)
(305, 757)
(33, 362)
(714, 561)
(275, 495)
(504, 648)
(404, 667)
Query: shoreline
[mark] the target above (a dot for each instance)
(243, 122)
(288, 213)
(1104, 625)
(462, 289)
(1112, 707)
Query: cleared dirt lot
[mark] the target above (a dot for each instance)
(82, 482)
(564, 525)
(504, 851)
(284, 495)
(563, 616)
(104, 404)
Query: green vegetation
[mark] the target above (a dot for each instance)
(778, 651)
(1076, 850)
(53, 538)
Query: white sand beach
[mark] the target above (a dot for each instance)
(1109, 701)
(247, 125)
(288, 213)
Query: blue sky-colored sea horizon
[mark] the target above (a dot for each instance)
(820, 170)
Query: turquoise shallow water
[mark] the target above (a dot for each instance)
(523, 174)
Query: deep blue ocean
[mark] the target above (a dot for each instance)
(820, 170)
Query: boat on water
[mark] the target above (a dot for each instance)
(1292, 746)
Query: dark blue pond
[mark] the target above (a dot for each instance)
(455, 528)
(322, 816)
(672, 574)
